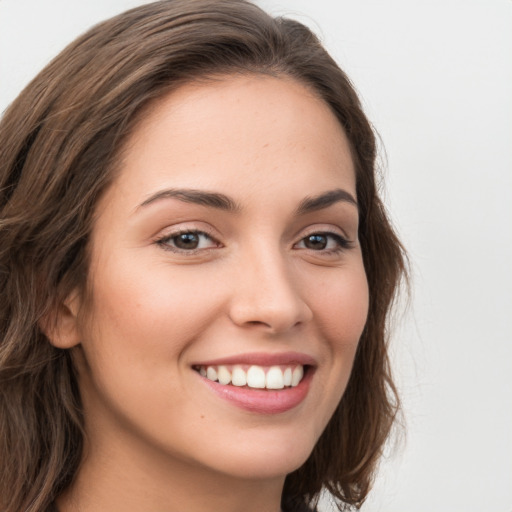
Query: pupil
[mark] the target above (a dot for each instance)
(316, 242)
(187, 241)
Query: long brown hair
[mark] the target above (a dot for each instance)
(60, 141)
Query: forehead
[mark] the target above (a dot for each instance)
(255, 130)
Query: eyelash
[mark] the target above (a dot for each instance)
(164, 241)
(342, 243)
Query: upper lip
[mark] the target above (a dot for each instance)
(262, 359)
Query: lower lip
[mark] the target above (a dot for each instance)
(263, 401)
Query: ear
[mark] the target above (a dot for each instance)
(61, 326)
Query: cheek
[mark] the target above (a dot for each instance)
(341, 306)
(141, 322)
(148, 309)
(340, 303)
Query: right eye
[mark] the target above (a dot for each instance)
(187, 241)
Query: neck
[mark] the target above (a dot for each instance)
(119, 478)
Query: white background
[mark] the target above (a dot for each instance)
(436, 80)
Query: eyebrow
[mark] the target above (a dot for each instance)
(223, 202)
(324, 200)
(200, 197)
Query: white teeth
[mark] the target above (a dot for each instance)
(287, 377)
(211, 373)
(274, 378)
(256, 377)
(223, 375)
(238, 378)
(297, 375)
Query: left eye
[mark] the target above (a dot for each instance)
(322, 242)
(188, 241)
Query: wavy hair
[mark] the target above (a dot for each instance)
(60, 141)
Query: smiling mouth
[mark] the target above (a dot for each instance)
(254, 376)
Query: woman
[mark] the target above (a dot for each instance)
(196, 271)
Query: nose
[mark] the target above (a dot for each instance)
(267, 294)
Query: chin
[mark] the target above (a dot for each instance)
(265, 459)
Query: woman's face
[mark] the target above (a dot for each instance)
(226, 249)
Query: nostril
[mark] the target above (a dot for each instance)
(272, 327)
(257, 322)
(271, 312)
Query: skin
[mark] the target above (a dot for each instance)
(157, 437)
